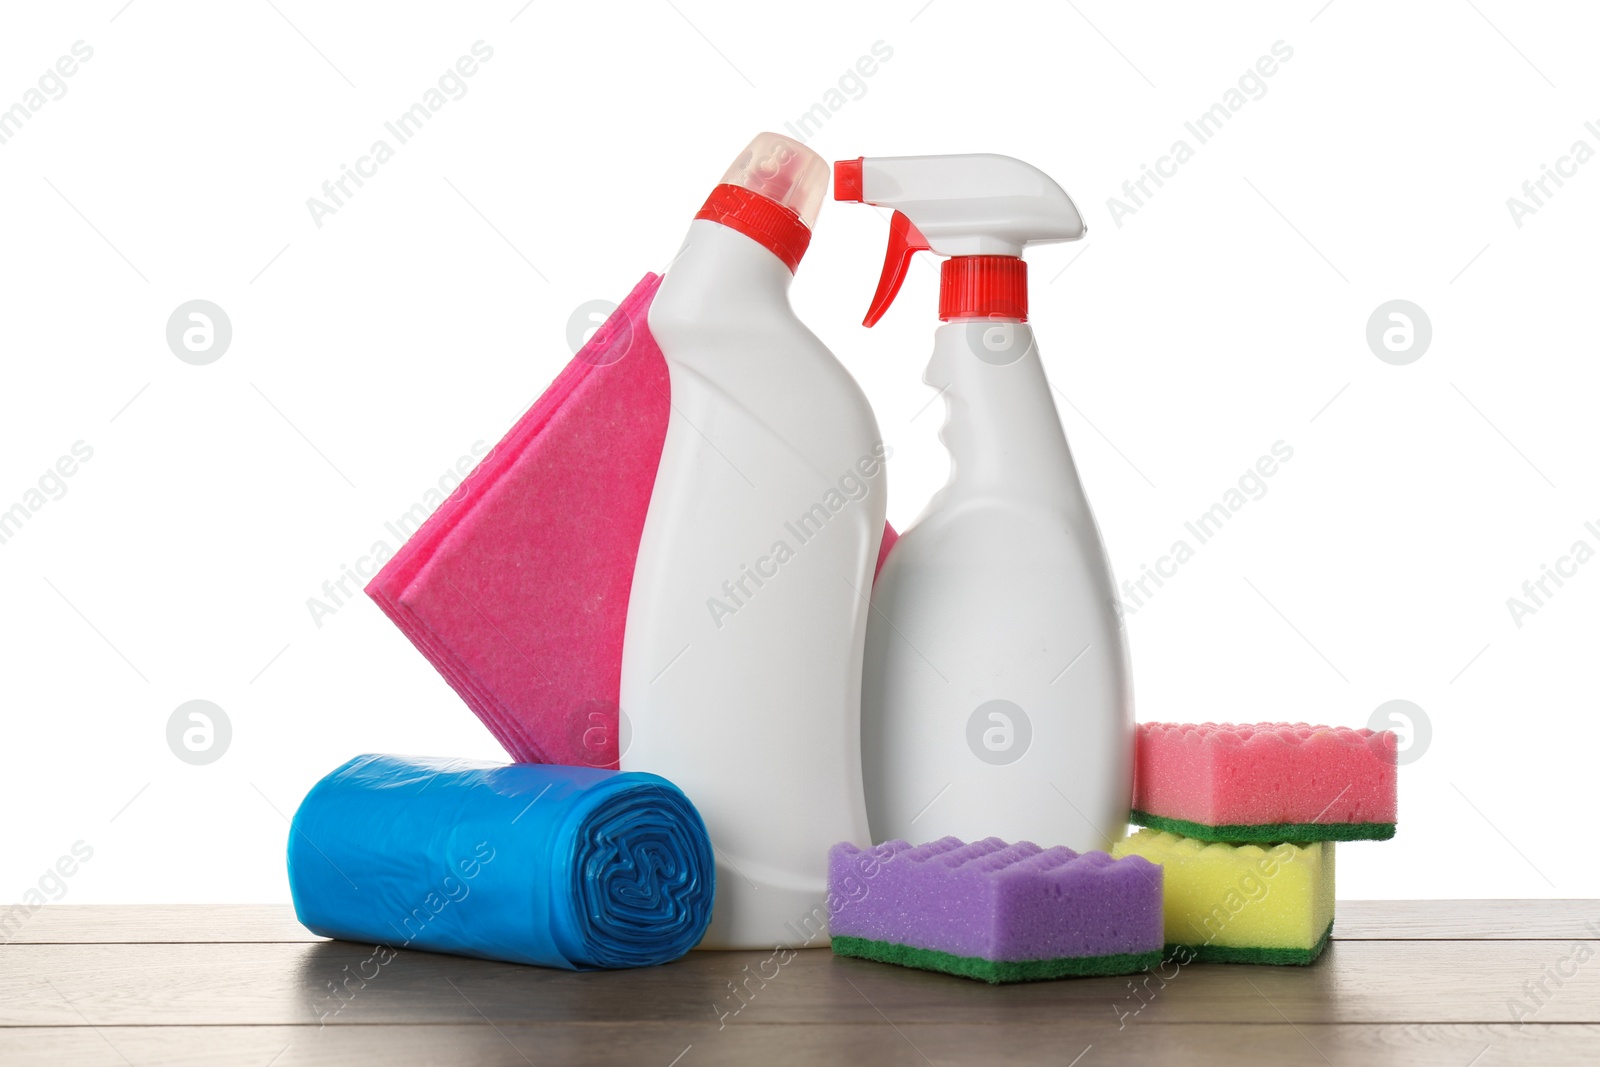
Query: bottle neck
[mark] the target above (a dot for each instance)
(983, 287)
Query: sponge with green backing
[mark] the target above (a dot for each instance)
(1271, 781)
(1241, 903)
(993, 911)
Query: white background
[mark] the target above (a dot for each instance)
(1227, 313)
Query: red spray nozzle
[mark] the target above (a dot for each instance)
(847, 180)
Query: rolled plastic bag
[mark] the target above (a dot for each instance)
(570, 867)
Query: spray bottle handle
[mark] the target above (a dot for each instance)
(980, 212)
(905, 241)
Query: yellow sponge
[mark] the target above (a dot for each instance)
(1241, 903)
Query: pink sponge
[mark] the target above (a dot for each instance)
(516, 588)
(1266, 782)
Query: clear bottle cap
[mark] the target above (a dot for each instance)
(782, 170)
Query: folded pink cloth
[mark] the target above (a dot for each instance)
(516, 588)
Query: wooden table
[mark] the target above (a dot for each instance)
(1413, 982)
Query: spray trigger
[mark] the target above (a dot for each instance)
(905, 240)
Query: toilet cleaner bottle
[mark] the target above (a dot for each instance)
(996, 697)
(741, 661)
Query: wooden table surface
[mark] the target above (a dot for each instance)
(1412, 982)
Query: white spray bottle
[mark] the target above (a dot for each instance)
(996, 697)
(741, 659)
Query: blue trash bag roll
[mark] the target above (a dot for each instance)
(568, 867)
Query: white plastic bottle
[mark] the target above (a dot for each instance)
(741, 662)
(996, 696)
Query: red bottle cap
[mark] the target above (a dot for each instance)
(763, 220)
(983, 287)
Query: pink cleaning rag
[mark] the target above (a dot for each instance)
(516, 588)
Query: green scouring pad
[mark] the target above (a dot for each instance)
(1267, 832)
(1233, 954)
(993, 971)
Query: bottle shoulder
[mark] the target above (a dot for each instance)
(731, 340)
(733, 326)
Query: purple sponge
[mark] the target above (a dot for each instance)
(999, 912)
